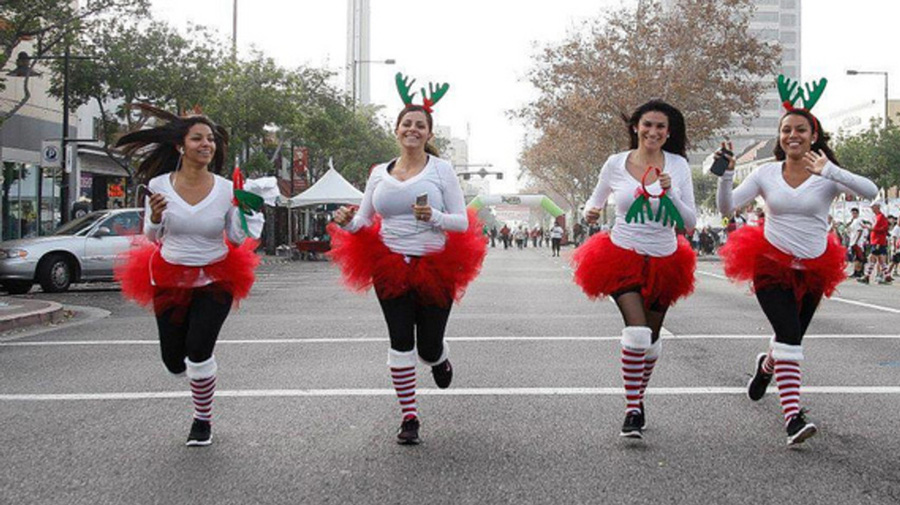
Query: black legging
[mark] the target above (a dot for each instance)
(412, 324)
(788, 318)
(192, 331)
(556, 244)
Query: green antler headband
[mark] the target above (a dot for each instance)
(436, 91)
(791, 92)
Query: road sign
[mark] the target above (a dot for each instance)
(51, 154)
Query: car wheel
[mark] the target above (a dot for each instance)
(55, 273)
(17, 287)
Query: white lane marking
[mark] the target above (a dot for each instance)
(863, 304)
(717, 276)
(293, 393)
(833, 298)
(364, 340)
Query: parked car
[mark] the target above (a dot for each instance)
(82, 250)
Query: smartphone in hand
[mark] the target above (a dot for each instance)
(422, 200)
(721, 164)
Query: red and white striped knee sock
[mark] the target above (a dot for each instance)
(788, 377)
(403, 376)
(202, 391)
(650, 358)
(635, 341)
(203, 386)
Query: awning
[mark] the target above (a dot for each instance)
(97, 162)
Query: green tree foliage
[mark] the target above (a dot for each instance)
(44, 27)
(698, 55)
(874, 153)
(265, 107)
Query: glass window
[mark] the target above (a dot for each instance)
(788, 20)
(788, 4)
(81, 225)
(766, 17)
(789, 37)
(124, 224)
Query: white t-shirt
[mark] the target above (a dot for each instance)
(856, 233)
(796, 218)
(556, 232)
(393, 199)
(192, 235)
(650, 238)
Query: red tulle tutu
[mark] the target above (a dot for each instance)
(748, 256)
(438, 278)
(602, 268)
(172, 284)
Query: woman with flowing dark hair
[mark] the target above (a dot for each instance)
(414, 241)
(792, 261)
(642, 263)
(200, 255)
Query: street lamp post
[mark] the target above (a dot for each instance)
(885, 74)
(24, 69)
(389, 61)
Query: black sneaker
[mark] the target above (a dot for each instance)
(443, 374)
(408, 434)
(642, 417)
(201, 434)
(756, 388)
(863, 280)
(798, 429)
(631, 428)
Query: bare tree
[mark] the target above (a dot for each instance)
(698, 55)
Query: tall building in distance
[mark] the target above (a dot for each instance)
(357, 66)
(774, 21)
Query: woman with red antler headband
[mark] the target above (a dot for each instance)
(414, 241)
(642, 263)
(792, 261)
(192, 269)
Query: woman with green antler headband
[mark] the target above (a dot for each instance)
(792, 261)
(642, 263)
(413, 240)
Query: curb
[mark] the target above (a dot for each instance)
(52, 313)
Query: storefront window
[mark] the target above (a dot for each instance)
(19, 201)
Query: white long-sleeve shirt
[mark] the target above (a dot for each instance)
(796, 218)
(650, 238)
(393, 199)
(192, 235)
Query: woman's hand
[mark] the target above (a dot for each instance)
(422, 212)
(727, 151)
(157, 206)
(665, 181)
(343, 215)
(592, 215)
(814, 162)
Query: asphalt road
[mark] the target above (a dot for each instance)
(305, 412)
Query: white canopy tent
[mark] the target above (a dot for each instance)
(330, 188)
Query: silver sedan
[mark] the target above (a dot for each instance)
(82, 250)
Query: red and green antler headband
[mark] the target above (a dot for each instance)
(436, 91)
(791, 92)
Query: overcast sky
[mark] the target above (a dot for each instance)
(484, 49)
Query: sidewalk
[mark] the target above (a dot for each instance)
(20, 312)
